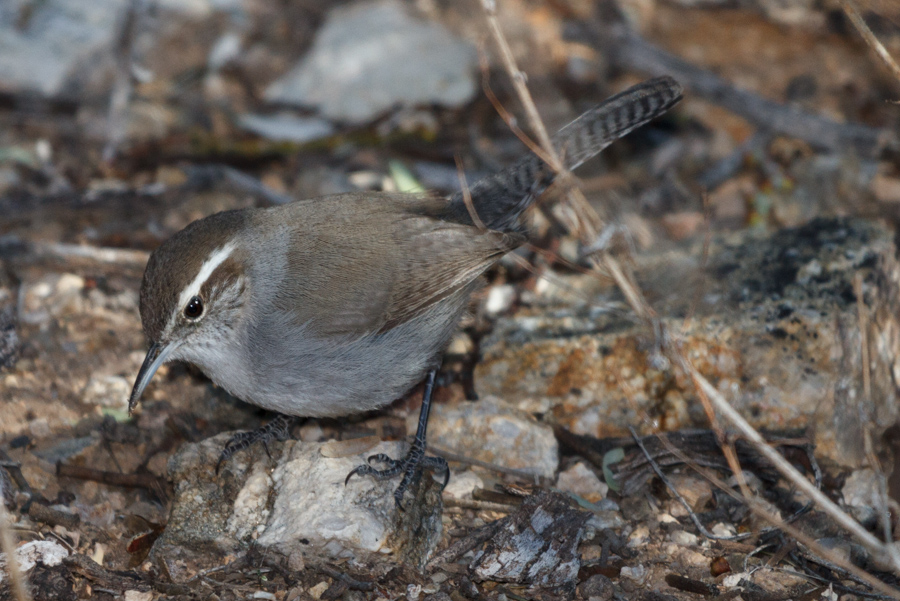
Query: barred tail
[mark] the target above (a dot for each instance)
(499, 200)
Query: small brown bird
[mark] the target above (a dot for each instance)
(342, 304)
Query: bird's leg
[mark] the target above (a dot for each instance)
(415, 461)
(278, 428)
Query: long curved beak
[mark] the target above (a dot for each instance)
(156, 356)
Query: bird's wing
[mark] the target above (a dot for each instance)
(368, 262)
(440, 259)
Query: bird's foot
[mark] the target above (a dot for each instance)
(278, 428)
(410, 466)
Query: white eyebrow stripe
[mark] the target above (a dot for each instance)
(209, 266)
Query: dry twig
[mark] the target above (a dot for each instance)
(12, 565)
(874, 43)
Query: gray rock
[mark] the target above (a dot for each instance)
(861, 496)
(56, 40)
(497, 432)
(597, 587)
(295, 503)
(287, 127)
(359, 65)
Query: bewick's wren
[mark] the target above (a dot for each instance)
(342, 304)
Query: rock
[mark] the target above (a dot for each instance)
(860, 492)
(286, 127)
(597, 587)
(537, 546)
(683, 538)
(582, 481)
(776, 329)
(298, 505)
(50, 296)
(107, 391)
(500, 299)
(359, 65)
(462, 486)
(45, 552)
(696, 491)
(57, 42)
(496, 432)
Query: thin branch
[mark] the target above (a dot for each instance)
(784, 466)
(467, 196)
(852, 11)
(12, 562)
(458, 458)
(479, 505)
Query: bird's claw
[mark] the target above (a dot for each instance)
(411, 466)
(279, 428)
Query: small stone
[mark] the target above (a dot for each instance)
(598, 587)
(48, 553)
(639, 536)
(107, 391)
(296, 561)
(462, 486)
(285, 127)
(733, 580)
(582, 481)
(723, 530)
(685, 539)
(500, 299)
(413, 592)
(50, 296)
(860, 494)
(637, 573)
(697, 492)
(138, 596)
(316, 591)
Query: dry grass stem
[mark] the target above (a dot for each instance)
(761, 511)
(787, 470)
(852, 11)
(467, 196)
(459, 458)
(17, 583)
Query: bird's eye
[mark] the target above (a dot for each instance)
(194, 308)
